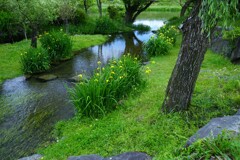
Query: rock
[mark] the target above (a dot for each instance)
(236, 52)
(33, 157)
(46, 77)
(86, 157)
(124, 156)
(78, 78)
(130, 156)
(238, 113)
(216, 126)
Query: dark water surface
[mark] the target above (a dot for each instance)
(31, 108)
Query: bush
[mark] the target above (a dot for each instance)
(57, 44)
(80, 17)
(35, 60)
(105, 25)
(115, 12)
(142, 27)
(158, 45)
(100, 94)
(170, 32)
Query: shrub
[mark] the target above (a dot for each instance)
(80, 17)
(35, 60)
(115, 12)
(158, 45)
(105, 25)
(170, 32)
(142, 27)
(100, 94)
(57, 44)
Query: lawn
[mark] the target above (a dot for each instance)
(139, 125)
(10, 53)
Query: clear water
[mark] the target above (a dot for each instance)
(33, 107)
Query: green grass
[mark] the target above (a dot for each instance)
(138, 124)
(10, 53)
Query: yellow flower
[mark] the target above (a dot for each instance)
(97, 74)
(80, 75)
(121, 77)
(107, 81)
(112, 66)
(95, 80)
(99, 62)
(110, 77)
(103, 68)
(112, 72)
(120, 66)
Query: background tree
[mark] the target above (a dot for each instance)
(86, 4)
(99, 5)
(196, 32)
(33, 14)
(134, 8)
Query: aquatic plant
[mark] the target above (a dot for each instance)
(35, 60)
(58, 45)
(100, 94)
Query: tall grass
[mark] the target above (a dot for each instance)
(107, 87)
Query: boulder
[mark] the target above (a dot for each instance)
(124, 156)
(130, 156)
(86, 157)
(236, 52)
(46, 77)
(33, 157)
(216, 126)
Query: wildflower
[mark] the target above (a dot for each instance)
(112, 66)
(148, 71)
(97, 74)
(99, 62)
(107, 81)
(112, 72)
(95, 80)
(135, 59)
(103, 68)
(98, 68)
(121, 77)
(80, 75)
(120, 66)
(110, 77)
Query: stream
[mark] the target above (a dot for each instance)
(31, 108)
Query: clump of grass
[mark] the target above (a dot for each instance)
(224, 146)
(100, 94)
(35, 60)
(57, 44)
(169, 31)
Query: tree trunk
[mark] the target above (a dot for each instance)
(34, 37)
(99, 4)
(85, 6)
(129, 17)
(184, 76)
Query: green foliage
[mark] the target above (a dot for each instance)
(225, 146)
(232, 34)
(57, 44)
(158, 45)
(214, 11)
(35, 60)
(141, 27)
(115, 12)
(104, 25)
(169, 31)
(100, 94)
(80, 17)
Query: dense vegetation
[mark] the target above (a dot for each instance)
(118, 108)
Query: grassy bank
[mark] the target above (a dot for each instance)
(138, 124)
(10, 53)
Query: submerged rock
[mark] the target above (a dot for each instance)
(33, 157)
(216, 126)
(46, 77)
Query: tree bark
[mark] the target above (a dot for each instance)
(185, 7)
(99, 4)
(184, 76)
(34, 37)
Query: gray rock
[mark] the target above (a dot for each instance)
(33, 157)
(236, 52)
(216, 126)
(86, 157)
(78, 78)
(130, 156)
(46, 77)
(238, 113)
